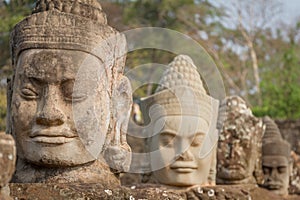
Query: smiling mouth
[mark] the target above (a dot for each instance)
(183, 168)
(52, 136)
(273, 186)
(235, 167)
(52, 139)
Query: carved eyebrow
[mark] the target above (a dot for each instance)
(282, 166)
(32, 76)
(272, 166)
(67, 79)
(197, 134)
(168, 132)
(35, 79)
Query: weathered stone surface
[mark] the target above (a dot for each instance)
(239, 146)
(137, 146)
(181, 125)
(7, 162)
(7, 158)
(295, 175)
(290, 131)
(276, 159)
(147, 191)
(68, 101)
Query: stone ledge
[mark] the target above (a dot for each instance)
(145, 191)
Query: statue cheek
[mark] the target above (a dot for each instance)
(23, 112)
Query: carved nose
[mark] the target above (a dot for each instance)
(185, 156)
(50, 114)
(274, 174)
(232, 151)
(52, 118)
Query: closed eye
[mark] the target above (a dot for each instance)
(266, 170)
(166, 139)
(35, 81)
(76, 97)
(282, 169)
(70, 94)
(197, 140)
(29, 93)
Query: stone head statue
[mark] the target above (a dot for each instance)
(276, 160)
(69, 103)
(181, 120)
(7, 163)
(239, 146)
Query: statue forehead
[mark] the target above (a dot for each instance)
(51, 64)
(275, 161)
(181, 124)
(233, 133)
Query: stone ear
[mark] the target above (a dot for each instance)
(122, 102)
(118, 153)
(291, 164)
(9, 92)
(258, 171)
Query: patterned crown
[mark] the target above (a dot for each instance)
(273, 144)
(90, 9)
(180, 92)
(272, 131)
(238, 119)
(181, 72)
(71, 25)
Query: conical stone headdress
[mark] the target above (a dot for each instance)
(273, 144)
(272, 131)
(181, 72)
(180, 92)
(71, 25)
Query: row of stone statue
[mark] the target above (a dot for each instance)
(69, 105)
(203, 143)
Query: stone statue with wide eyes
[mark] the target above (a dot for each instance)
(69, 102)
(276, 159)
(239, 146)
(181, 120)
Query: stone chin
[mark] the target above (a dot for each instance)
(280, 191)
(68, 154)
(276, 187)
(231, 174)
(184, 173)
(178, 179)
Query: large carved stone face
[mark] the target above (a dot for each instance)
(276, 174)
(236, 156)
(60, 107)
(179, 142)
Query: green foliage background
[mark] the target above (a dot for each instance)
(278, 56)
(11, 12)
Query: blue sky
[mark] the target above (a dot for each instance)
(291, 9)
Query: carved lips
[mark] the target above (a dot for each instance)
(52, 136)
(273, 185)
(236, 166)
(183, 167)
